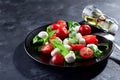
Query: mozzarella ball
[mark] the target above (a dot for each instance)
(68, 47)
(93, 45)
(78, 36)
(46, 43)
(76, 28)
(70, 58)
(65, 41)
(82, 41)
(42, 34)
(54, 51)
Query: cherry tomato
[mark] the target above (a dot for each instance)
(46, 49)
(57, 59)
(76, 46)
(54, 26)
(90, 39)
(89, 36)
(86, 53)
(85, 29)
(53, 36)
(62, 33)
(62, 23)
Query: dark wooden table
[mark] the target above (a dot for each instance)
(19, 17)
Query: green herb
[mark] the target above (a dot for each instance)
(77, 55)
(97, 52)
(36, 39)
(39, 42)
(72, 36)
(50, 31)
(104, 45)
(72, 25)
(57, 44)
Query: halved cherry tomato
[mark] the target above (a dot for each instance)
(57, 59)
(89, 36)
(62, 33)
(76, 46)
(46, 49)
(86, 53)
(54, 26)
(85, 29)
(62, 23)
(90, 39)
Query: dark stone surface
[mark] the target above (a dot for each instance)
(19, 17)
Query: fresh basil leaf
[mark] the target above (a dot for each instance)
(50, 31)
(72, 37)
(57, 44)
(97, 52)
(104, 45)
(36, 39)
(72, 25)
(38, 42)
(77, 55)
(72, 40)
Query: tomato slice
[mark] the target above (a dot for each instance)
(62, 23)
(46, 49)
(90, 39)
(54, 26)
(86, 53)
(89, 36)
(85, 29)
(62, 33)
(76, 47)
(57, 59)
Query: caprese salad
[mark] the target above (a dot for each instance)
(67, 42)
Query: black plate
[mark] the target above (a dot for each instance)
(46, 59)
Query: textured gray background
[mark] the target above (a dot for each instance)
(19, 17)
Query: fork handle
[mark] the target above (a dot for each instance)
(117, 46)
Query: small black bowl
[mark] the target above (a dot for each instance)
(46, 60)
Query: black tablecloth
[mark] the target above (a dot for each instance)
(19, 17)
